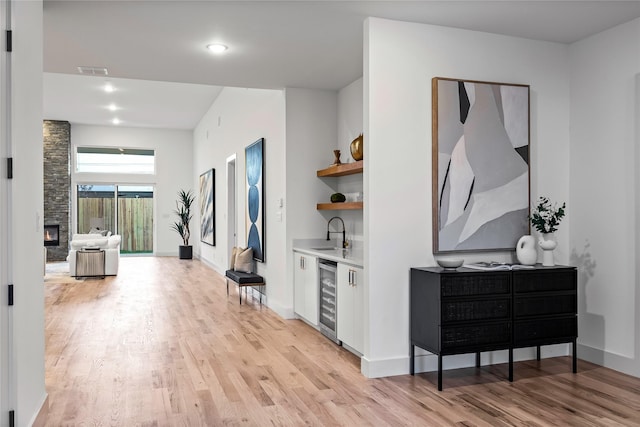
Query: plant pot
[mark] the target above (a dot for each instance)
(185, 252)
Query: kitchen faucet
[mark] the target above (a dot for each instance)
(344, 239)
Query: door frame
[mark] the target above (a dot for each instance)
(232, 206)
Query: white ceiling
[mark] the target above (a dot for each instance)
(272, 44)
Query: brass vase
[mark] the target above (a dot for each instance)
(356, 148)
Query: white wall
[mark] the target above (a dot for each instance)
(311, 123)
(400, 60)
(174, 171)
(23, 215)
(605, 120)
(236, 119)
(350, 111)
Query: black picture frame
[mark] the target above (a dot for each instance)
(208, 207)
(255, 197)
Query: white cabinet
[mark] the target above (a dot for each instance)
(351, 306)
(306, 288)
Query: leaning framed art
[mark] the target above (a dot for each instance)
(255, 218)
(208, 207)
(480, 169)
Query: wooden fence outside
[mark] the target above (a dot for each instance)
(136, 224)
(135, 217)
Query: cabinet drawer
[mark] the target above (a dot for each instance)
(455, 311)
(478, 284)
(546, 305)
(530, 331)
(454, 337)
(544, 281)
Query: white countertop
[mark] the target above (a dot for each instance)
(353, 256)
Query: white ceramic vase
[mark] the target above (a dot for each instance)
(547, 244)
(526, 251)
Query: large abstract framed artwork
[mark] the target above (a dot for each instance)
(480, 165)
(208, 207)
(254, 158)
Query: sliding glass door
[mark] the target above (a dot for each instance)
(135, 218)
(96, 207)
(126, 210)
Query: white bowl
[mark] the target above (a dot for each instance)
(450, 262)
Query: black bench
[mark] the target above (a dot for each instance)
(244, 279)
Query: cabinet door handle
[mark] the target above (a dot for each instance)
(352, 278)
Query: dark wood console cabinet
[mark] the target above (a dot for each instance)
(471, 311)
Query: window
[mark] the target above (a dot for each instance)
(115, 160)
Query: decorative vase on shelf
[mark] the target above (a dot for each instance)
(526, 251)
(356, 148)
(548, 245)
(337, 161)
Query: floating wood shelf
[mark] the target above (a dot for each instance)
(340, 206)
(342, 170)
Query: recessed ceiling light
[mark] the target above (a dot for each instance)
(217, 48)
(108, 87)
(116, 121)
(112, 107)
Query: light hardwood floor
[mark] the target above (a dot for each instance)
(162, 344)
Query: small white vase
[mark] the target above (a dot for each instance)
(526, 251)
(547, 244)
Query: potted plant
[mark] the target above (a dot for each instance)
(183, 210)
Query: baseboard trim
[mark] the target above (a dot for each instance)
(211, 265)
(40, 419)
(428, 362)
(384, 367)
(617, 362)
(281, 310)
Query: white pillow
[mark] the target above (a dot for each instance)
(244, 260)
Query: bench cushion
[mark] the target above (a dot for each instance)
(241, 277)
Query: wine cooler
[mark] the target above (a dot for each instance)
(328, 312)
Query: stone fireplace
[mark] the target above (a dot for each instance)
(57, 185)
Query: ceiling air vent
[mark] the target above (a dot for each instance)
(93, 71)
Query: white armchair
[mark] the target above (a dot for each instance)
(110, 245)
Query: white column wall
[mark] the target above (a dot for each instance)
(350, 116)
(236, 119)
(311, 117)
(174, 168)
(605, 119)
(400, 60)
(26, 213)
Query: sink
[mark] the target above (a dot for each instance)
(323, 249)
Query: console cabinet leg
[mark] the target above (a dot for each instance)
(538, 353)
(478, 359)
(575, 357)
(411, 359)
(511, 365)
(439, 372)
